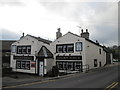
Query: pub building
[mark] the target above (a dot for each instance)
(74, 53)
(30, 54)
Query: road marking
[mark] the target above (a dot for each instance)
(114, 85)
(111, 86)
(29, 84)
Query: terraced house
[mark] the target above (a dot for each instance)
(75, 53)
(70, 52)
(30, 54)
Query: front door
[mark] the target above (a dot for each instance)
(41, 69)
(100, 64)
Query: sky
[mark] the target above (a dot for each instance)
(41, 18)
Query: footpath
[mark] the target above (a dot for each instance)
(25, 78)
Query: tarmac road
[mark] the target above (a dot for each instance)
(104, 78)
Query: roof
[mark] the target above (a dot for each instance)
(6, 44)
(45, 53)
(85, 39)
(41, 39)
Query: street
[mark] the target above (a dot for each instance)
(102, 78)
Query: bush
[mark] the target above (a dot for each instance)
(55, 71)
(6, 71)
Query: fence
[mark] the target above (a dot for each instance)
(86, 68)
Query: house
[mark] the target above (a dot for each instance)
(75, 53)
(6, 51)
(109, 56)
(31, 54)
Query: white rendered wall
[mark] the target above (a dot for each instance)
(92, 52)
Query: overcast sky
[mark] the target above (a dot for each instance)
(43, 17)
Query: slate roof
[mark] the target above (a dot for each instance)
(87, 40)
(45, 53)
(41, 39)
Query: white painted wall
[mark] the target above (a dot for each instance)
(67, 39)
(92, 52)
(49, 64)
(35, 47)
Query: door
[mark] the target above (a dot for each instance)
(100, 64)
(41, 69)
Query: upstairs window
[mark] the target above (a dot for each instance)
(28, 49)
(65, 48)
(78, 46)
(70, 48)
(59, 49)
(19, 49)
(99, 51)
(13, 49)
(23, 49)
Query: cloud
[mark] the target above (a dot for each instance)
(11, 2)
(99, 17)
(8, 35)
(43, 17)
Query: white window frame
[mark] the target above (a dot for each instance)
(58, 49)
(19, 47)
(79, 46)
(13, 48)
(28, 47)
(24, 47)
(70, 46)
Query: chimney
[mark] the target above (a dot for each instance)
(97, 42)
(85, 34)
(82, 30)
(22, 35)
(58, 34)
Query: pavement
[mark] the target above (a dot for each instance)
(27, 78)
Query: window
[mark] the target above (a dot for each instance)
(78, 46)
(13, 48)
(19, 49)
(23, 49)
(18, 64)
(28, 49)
(60, 65)
(99, 51)
(95, 62)
(70, 65)
(23, 65)
(65, 48)
(70, 48)
(59, 49)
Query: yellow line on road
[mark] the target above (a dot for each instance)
(112, 85)
(29, 84)
(115, 85)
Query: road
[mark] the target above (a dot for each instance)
(96, 79)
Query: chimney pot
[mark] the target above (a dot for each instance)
(58, 29)
(58, 34)
(82, 30)
(86, 30)
(23, 34)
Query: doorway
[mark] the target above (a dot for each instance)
(40, 68)
(100, 64)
